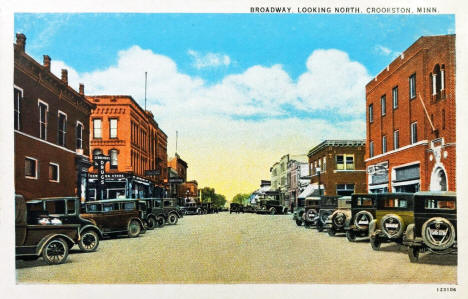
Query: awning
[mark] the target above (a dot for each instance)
(307, 191)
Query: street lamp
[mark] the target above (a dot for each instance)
(318, 170)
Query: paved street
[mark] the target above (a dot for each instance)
(224, 248)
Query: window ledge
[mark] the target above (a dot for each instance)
(30, 177)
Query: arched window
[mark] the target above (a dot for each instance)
(113, 153)
(97, 151)
(437, 79)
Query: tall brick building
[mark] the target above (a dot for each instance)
(121, 129)
(411, 120)
(51, 130)
(342, 167)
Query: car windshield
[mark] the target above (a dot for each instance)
(364, 202)
(440, 204)
(395, 203)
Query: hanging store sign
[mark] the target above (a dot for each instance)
(176, 180)
(99, 162)
(152, 172)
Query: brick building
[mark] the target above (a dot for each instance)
(132, 139)
(178, 176)
(411, 120)
(51, 130)
(342, 167)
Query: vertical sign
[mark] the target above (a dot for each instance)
(100, 165)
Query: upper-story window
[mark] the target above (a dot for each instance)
(384, 144)
(79, 135)
(43, 107)
(412, 86)
(396, 139)
(371, 149)
(113, 156)
(97, 128)
(414, 132)
(62, 128)
(324, 166)
(371, 113)
(383, 104)
(17, 96)
(54, 172)
(438, 79)
(30, 168)
(395, 97)
(345, 162)
(113, 128)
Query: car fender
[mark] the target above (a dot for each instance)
(408, 236)
(43, 242)
(92, 227)
(372, 227)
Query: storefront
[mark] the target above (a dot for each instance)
(122, 185)
(406, 178)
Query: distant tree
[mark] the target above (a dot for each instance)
(209, 195)
(220, 200)
(240, 198)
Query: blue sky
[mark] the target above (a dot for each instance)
(242, 90)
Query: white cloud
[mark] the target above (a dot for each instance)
(382, 50)
(207, 116)
(209, 59)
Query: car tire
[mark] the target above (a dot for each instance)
(375, 243)
(272, 211)
(151, 223)
(331, 232)
(172, 218)
(89, 241)
(134, 229)
(388, 217)
(55, 251)
(160, 221)
(351, 236)
(298, 222)
(413, 254)
(429, 240)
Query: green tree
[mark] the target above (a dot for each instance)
(240, 198)
(209, 195)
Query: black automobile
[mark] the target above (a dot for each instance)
(298, 215)
(435, 224)
(192, 208)
(272, 207)
(151, 212)
(341, 217)
(236, 208)
(363, 207)
(395, 211)
(311, 211)
(328, 204)
(66, 210)
(249, 209)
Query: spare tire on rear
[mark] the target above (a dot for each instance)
(438, 233)
(392, 225)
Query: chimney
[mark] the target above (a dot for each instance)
(47, 62)
(65, 76)
(21, 41)
(82, 89)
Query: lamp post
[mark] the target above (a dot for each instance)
(318, 170)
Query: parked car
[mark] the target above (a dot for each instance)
(67, 211)
(363, 207)
(249, 209)
(298, 215)
(115, 216)
(271, 207)
(151, 213)
(328, 204)
(311, 211)
(435, 224)
(171, 210)
(337, 221)
(236, 208)
(394, 213)
(42, 237)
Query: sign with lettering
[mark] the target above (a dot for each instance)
(99, 162)
(176, 180)
(152, 172)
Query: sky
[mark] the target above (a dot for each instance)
(242, 90)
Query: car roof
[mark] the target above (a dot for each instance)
(112, 200)
(436, 193)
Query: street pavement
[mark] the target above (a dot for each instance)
(240, 248)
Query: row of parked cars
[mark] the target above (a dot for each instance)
(264, 206)
(422, 221)
(50, 227)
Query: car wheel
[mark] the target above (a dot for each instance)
(134, 229)
(413, 254)
(55, 251)
(160, 221)
(331, 232)
(351, 236)
(375, 242)
(298, 222)
(272, 211)
(172, 218)
(89, 241)
(151, 223)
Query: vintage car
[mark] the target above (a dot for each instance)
(208, 208)
(328, 204)
(363, 208)
(272, 207)
(311, 211)
(236, 208)
(115, 216)
(151, 213)
(435, 224)
(337, 221)
(393, 214)
(171, 210)
(67, 211)
(192, 208)
(38, 235)
(249, 209)
(298, 215)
